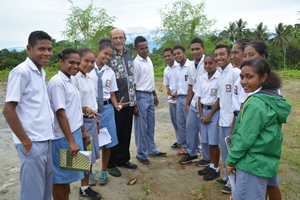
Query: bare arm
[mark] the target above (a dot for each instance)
(155, 98)
(189, 98)
(12, 118)
(65, 127)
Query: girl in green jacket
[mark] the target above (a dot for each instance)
(257, 136)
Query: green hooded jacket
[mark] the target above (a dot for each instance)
(257, 136)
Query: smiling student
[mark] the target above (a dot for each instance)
(226, 83)
(69, 131)
(257, 136)
(170, 81)
(28, 113)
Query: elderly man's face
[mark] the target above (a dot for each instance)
(118, 39)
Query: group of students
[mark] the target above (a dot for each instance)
(211, 98)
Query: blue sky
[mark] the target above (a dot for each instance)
(20, 17)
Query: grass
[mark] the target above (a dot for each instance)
(146, 188)
(132, 197)
(289, 74)
(199, 192)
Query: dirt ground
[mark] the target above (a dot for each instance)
(164, 178)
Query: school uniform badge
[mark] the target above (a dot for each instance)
(107, 83)
(186, 77)
(228, 88)
(235, 90)
(213, 92)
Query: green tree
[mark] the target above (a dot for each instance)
(182, 21)
(240, 28)
(260, 33)
(230, 32)
(281, 39)
(84, 24)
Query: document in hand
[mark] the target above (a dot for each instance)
(104, 137)
(228, 144)
(80, 162)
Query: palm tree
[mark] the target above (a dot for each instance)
(240, 26)
(260, 33)
(281, 39)
(230, 31)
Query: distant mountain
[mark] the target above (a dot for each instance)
(18, 49)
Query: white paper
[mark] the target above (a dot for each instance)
(232, 182)
(104, 137)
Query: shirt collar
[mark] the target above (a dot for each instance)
(34, 67)
(140, 58)
(215, 75)
(200, 62)
(227, 68)
(254, 91)
(63, 76)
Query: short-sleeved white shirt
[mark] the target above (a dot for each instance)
(171, 80)
(239, 95)
(226, 85)
(194, 75)
(143, 74)
(182, 77)
(64, 95)
(86, 88)
(109, 82)
(208, 88)
(26, 85)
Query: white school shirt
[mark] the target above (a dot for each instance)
(239, 95)
(226, 83)
(182, 77)
(64, 95)
(109, 82)
(194, 75)
(143, 74)
(208, 88)
(171, 81)
(26, 85)
(86, 88)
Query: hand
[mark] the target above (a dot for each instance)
(207, 119)
(168, 91)
(201, 119)
(98, 128)
(136, 110)
(174, 96)
(155, 101)
(218, 127)
(230, 170)
(86, 137)
(92, 114)
(187, 108)
(28, 147)
(119, 106)
(74, 148)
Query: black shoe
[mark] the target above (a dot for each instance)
(211, 175)
(204, 171)
(128, 165)
(90, 194)
(202, 163)
(161, 154)
(175, 146)
(226, 189)
(143, 161)
(188, 159)
(114, 171)
(221, 181)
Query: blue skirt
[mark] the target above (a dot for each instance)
(64, 176)
(91, 127)
(108, 120)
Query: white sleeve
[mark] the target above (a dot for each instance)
(199, 89)
(136, 71)
(190, 80)
(166, 78)
(113, 82)
(17, 81)
(57, 95)
(75, 81)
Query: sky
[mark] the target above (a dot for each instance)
(18, 18)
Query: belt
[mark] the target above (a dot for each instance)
(107, 102)
(85, 116)
(206, 107)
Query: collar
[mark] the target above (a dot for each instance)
(33, 66)
(117, 54)
(214, 76)
(80, 74)
(254, 91)
(141, 59)
(174, 65)
(200, 62)
(227, 68)
(105, 67)
(63, 76)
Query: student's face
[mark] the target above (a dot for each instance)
(71, 64)
(40, 53)
(104, 56)
(222, 58)
(118, 39)
(142, 49)
(237, 55)
(87, 62)
(197, 51)
(169, 57)
(210, 64)
(250, 79)
(179, 56)
(250, 52)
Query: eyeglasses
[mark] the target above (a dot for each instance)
(116, 38)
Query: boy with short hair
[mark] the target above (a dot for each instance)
(28, 113)
(229, 75)
(170, 82)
